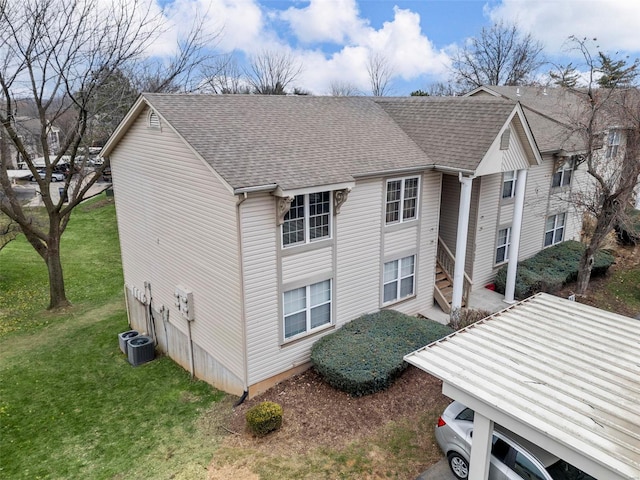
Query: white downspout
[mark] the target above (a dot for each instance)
(516, 229)
(461, 244)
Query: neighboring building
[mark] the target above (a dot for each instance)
(29, 130)
(252, 225)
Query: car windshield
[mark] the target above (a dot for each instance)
(562, 470)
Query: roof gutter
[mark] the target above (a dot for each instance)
(463, 171)
(395, 171)
(257, 188)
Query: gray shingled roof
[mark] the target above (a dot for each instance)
(551, 112)
(294, 142)
(299, 141)
(453, 131)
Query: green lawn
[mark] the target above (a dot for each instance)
(71, 406)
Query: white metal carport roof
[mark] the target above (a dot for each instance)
(561, 374)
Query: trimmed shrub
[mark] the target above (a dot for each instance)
(551, 269)
(366, 355)
(264, 418)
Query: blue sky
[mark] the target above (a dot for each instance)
(332, 39)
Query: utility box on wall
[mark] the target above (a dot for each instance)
(184, 302)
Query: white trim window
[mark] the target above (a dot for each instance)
(402, 200)
(554, 229)
(509, 184)
(613, 143)
(562, 177)
(308, 219)
(503, 244)
(398, 279)
(306, 309)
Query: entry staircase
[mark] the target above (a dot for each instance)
(443, 289)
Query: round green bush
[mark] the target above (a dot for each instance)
(264, 418)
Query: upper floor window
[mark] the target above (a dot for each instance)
(402, 200)
(554, 229)
(398, 279)
(562, 177)
(307, 308)
(613, 143)
(503, 244)
(509, 184)
(308, 219)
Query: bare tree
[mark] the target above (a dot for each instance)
(608, 121)
(224, 76)
(61, 54)
(272, 72)
(501, 55)
(343, 89)
(380, 72)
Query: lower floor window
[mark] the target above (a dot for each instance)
(307, 308)
(554, 229)
(398, 279)
(502, 247)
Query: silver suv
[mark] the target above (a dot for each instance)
(512, 457)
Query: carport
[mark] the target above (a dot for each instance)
(561, 374)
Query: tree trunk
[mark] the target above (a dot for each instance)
(57, 294)
(584, 270)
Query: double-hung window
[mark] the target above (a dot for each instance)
(562, 177)
(398, 279)
(503, 244)
(307, 309)
(613, 143)
(402, 200)
(308, 219)
(509, 184)
(554, 229)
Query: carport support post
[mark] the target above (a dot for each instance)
(480, 447)
(516, 229)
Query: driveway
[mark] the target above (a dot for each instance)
(440, 471)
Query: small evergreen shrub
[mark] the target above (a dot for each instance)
(366, 355)
(552, 268)
(264, 418)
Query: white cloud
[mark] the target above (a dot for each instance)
(324, 20)
(400, 40)
(613, 22)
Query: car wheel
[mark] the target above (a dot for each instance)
(459, 466)
(54, 179)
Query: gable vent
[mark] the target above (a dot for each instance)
(504, 139)
(154, 120)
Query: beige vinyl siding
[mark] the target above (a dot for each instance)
(177, 227)
(449, 206)
(399, 240)
(300, 262)
(488, 220)
(261, 273)
(358, 250)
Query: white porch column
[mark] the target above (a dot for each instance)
(480, 448)
(516, 229)
(461, 243)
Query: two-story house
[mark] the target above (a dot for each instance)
(251, 225)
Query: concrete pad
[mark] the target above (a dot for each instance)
(439, 471)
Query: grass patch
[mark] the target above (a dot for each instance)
(71, 406)
(91, 263)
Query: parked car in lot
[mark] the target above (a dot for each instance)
(55, 176)
(512, 457)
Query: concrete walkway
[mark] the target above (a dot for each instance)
(440, 471)
(480, 299)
